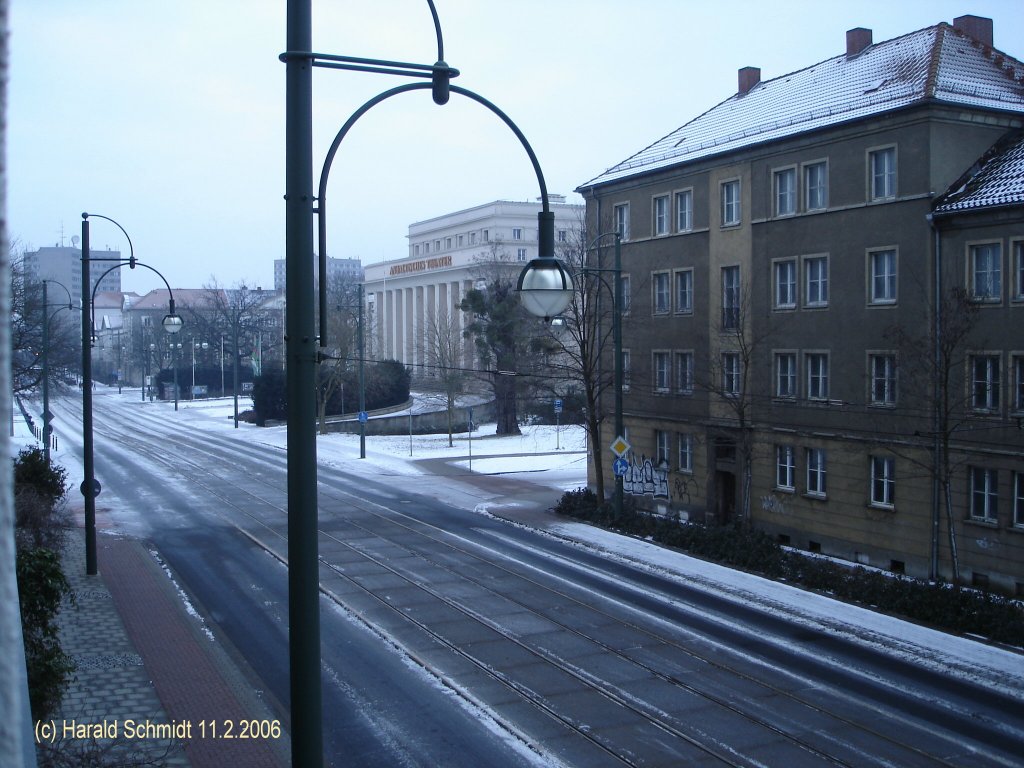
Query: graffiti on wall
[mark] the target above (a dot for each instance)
(644, 479)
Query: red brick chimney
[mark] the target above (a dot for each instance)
(977, 27)
(857, 40)
(748, 78)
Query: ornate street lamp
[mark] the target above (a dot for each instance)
(172, 323)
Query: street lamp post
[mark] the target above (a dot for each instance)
(196, 345)
(172, 323)
(175, 354)
(47, 429)
(303, 354)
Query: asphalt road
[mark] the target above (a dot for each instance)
(451, 638)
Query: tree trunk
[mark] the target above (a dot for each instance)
(505, 405)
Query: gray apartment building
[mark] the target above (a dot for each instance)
(825, 326)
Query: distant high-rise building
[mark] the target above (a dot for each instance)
(343, 269)
(64, 265)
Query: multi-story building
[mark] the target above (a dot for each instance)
(347, 270)
(820, 340)
(411, 301)
(64, 265)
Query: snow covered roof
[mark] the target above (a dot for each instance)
(938, 63)
(997, 181)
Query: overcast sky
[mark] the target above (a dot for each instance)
(168, 115)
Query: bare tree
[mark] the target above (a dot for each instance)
(336, 359)
(443, 350)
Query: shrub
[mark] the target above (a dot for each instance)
(40, 491)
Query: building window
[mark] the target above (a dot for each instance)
(627, 369)
(730, 374)
(815, 458)
(784, 183)
(785, 467)
(661, 447)
(816, 186)
(626, 295)
(731, 203)
(487, 235)
(416, 250)
(985, 382)
(684, 291)
(684, 211)
(520, 254)
(816, 364)
(662, 298)
(472, 238)
(662, 372)
(684, 372)
(882, 276)
(622, 220)
(684, 442)
(1018, 383)
(517, 233)
(883, 379)
(986, 272)
(984, 494)
(661, 215)
(563, 236)
(785, 283)
(426, 247)
(437, 245)
(730, 298)
(883, 173)
(1018, 260)
(785, 374)
(448, 243)
(460, 240)
(1018, 499)
(883, 481)
(816, 281)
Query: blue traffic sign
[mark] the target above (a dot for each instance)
(620, 467)
(558, 406)
(363, 417)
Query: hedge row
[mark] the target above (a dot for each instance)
(938, 604)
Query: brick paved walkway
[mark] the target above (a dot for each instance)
(141, 656)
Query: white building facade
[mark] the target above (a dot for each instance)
(409, 300)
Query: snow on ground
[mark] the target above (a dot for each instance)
(557, 458)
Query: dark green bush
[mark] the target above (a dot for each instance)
(940, 605)
(270, 398)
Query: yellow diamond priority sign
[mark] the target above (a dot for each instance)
(620, 447)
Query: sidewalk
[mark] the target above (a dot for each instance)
(150, 684)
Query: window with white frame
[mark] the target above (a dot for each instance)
(984, 494)
(684, 210)
(437, 245)
(684, 291)
(662, 372)
(622, 220)
(563, 236)
(1018, 261)
(661, 215)
(460, 240)
(785, 467)
(627, 296)
(883, 481)
(785, 374)
(662, 297)
(731, 373)
(1018, 499)
(448, 243)
(627, 369)
(684, 372)
(816, 186)
(986, 272)
(816, 364)
(883, 379)
(472, 238)
(731, 203)
(487, 235)
(784, 186)
(1018, 382)
(661, 441)
(730, 298)
(517, 233)
(520, 254)
(416, 250)
(816, 471)
(426, 247)
(684, 443)
(882, 276)
(785, 283)
(882, 169)
(816, 281)
(985, 376)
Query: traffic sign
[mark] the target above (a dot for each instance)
(620, 466)
(363, 417)
(47, 415)
(84, 488)
(620, 447)
(558, 406)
